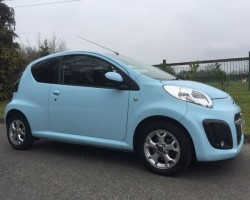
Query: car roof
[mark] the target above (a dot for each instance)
(102, 55)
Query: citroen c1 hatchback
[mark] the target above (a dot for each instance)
(116, 102)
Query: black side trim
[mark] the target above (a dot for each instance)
(16, 85)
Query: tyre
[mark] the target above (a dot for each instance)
(19, 132)
(165, 148)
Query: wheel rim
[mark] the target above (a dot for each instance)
(162, 149)
(17, 132)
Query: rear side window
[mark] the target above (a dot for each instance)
(46, 71)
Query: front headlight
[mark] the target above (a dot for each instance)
(189, 95)
(231, 98)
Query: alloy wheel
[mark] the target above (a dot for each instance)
(17, 132)
(162, 149)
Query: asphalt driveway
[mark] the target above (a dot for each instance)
(52, 170)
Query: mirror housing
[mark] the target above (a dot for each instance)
(117, 80)
(113, 76)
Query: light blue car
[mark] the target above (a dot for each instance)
(116, 102)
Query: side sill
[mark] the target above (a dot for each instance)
(79, 139)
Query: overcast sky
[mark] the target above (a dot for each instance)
(149, 30)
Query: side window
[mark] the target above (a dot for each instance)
(46, 71)
(86, 71)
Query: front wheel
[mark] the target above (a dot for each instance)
(19, 133)
(165, 148)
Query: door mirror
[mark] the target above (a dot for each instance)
(113, 76)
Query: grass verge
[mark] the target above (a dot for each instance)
(243, 100)
(2, 107)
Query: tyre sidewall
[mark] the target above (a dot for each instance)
(28, 141)
(183, 140)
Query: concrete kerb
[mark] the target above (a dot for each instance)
(247, 137)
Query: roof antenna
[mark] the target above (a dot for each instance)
(97, 44)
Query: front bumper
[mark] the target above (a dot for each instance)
(217, 133)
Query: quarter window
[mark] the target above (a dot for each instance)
(46, 71)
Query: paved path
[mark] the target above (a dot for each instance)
(52, 170)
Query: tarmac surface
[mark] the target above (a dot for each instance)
(51, 170)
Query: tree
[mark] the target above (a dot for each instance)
(191, 74)
(7, 26)
(220, 76)
(193, 71)
(51, 45)
(44, 49)
(9, 57)
(166, 68)
(28, 54)
(56, 44)
(48, 46)
(184, 74)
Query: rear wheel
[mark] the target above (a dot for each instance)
(19, 133)
(165, 148)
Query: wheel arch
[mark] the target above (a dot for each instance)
(156, 118)
(11, 113)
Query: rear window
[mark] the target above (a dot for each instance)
(46, 71)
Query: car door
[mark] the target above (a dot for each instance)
(85, 103)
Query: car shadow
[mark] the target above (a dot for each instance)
(128, 160)
(75, 151)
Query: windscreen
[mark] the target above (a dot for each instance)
(145, 69)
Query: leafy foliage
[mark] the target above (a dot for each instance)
(220, 76)
(210, 73)
(48, 46)
(7, 26)
(9, 62)
(44, 49)
(168, 69)
(28, 54)
(56, 44)
(192, 74)
(9, 57)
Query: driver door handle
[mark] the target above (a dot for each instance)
(56, 93)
